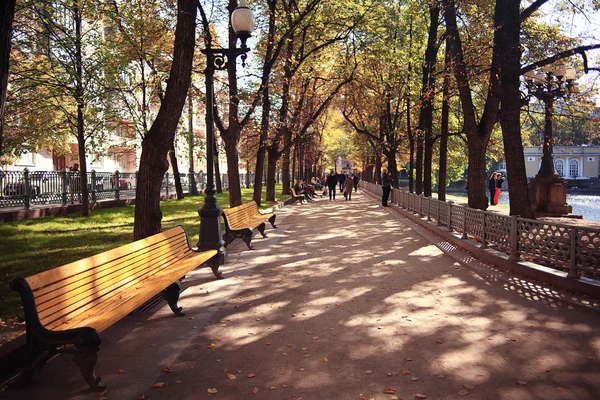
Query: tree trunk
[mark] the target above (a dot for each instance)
(153, 161)
(378, 168)
(176, 176)
(477, 174)
(273, 156)
(444, 131)
(428, 95)
(419, 163)
(285, 172)
(7, 14)
(79, 90)
(233, 172)
(508, 44)
(411, 163)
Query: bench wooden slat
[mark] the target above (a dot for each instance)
(71, 301)
(53, 275)
(102, 271)
(106, 313)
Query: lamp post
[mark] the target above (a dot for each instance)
(242, 22)
(548, 191)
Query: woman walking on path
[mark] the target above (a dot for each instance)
(355, 179)
(348, 186)
(386, 186)
(342, 180)
(332, 181)
(492, 188)
(499, 182)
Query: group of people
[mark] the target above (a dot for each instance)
(495, 186)
(346, 182)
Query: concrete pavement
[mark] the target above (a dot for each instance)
(345, 299)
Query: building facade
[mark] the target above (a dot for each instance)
(570, 162)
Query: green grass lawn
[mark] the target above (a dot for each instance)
(32, 246)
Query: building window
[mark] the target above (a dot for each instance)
(559, 166)
(26, 159)
(97, 161)
(574, 168)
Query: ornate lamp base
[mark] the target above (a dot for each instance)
(548, 194)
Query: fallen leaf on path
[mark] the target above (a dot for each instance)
(159, 385)
(251, 375)
(231, 377)
(273, 387)
(368, 372)
(255, 390)
(142, 397)
(469, 386)
(362, 397)
(326, 359)
(463, 392)
(211, 390)
(167, 369)
(561, 389)
(414, 378)
(405, 371)
(521, 382)
(120, 371)
(285, 386)
(389, 390)
(420, 396)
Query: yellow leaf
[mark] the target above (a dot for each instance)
(159, 385)
(211, 390)
(326, 359)
(255, 390)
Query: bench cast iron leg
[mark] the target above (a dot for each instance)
(214, 263)
(247, 239)
(171, 295)
(272, 221)
(261, 229)
(86, 357)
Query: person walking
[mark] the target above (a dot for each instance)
(348, 186)
(331, 182)
(386, 184)
(342, 181)
(492, 188)
(499, 182)
(355, 179)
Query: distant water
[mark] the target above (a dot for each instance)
(586, 205)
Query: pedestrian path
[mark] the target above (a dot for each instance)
(343, 301)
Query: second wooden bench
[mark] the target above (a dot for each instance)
(240, 221)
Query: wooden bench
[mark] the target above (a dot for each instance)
(240, 221)
(66, 307)
(297, 197)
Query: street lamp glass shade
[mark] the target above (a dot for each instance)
(242, 19)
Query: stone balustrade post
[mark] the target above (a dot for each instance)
(514, 239)
(573, 254)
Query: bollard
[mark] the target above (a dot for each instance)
(117, 185)
(27, 188)
(93, 185)
(64, 186)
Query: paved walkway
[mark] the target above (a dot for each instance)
(344, 300)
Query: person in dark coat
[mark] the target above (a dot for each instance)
(332, 180)
(492, 188)
(342, 181)
(355, 179)
(386, 184)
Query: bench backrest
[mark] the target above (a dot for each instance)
(241, 217)
(64, 292)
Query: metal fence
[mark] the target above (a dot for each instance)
(30, 188)
(569, 248)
